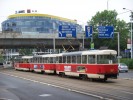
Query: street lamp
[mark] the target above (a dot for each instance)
(131, 32)
(107, 4)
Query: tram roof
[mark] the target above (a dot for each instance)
(27, 57)
(46, 55)
(90, 52)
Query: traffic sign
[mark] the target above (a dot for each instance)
(88, 31)
(67, 31)
(105, 31)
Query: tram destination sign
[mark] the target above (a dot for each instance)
(105, 31)
(67, 31)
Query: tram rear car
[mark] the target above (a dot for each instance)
(23, 63)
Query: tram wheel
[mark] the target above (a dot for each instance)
(105, 79)
(84, 77)
(62, 74)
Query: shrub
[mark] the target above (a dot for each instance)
(127, 61)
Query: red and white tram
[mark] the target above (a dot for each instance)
(44, 63)
(23, 63)
(92, 64)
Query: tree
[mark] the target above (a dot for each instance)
(109, 18)
(25, 51)
(1, 58)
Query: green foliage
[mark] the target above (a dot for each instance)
(1, 58)
(109, 18)
(129, 62)
(25, 51)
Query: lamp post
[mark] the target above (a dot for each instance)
(131, 32)
(54, 35)
(107, 4)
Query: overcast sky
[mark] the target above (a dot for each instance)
(81, 10)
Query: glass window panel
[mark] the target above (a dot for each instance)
(79, 59)
(91, 59)
(73, 59)
(84, 59)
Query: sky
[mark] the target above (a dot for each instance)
(80, 10)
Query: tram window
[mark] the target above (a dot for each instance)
(73, 59)
(84, 59)
(34, 60)
(41, 60)
(47, 60)
(57, 59)
(91, 59)
(102, 59)
(37, 60)
(31, 60)
(44, 60)
(64, 59)
(60, 59)
(79, 59)
(51, 60)
(105, 59)
(68, 59)
(54, 60)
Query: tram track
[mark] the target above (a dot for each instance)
(75, 80)
(109, 91)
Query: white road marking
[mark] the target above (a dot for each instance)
(127, 92)
(5, 99)
(45, 95)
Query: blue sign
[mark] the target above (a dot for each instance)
(67, 31)
(105, 31)
(88, 31)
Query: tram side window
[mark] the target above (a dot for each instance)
(102, 59)
(34, 60)
(68, 59)
(47, 60)
(73, 59)
(31, 60)
(78, 59)
(91, 59)
(54, 60)
(84, 59)
(64, 59)
(57, 59)
(60, 59)
(40, 60)
(51, 60)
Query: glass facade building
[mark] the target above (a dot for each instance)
(36, 23)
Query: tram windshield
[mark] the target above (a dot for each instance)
(106, 59)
